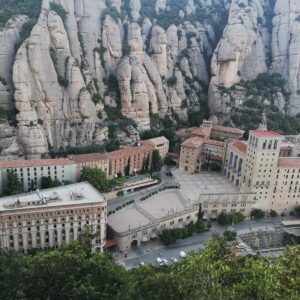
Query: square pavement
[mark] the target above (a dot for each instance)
(192, 185)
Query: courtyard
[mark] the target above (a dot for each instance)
(192, 185)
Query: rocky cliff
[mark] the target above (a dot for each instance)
(87, 66)
(261, 36)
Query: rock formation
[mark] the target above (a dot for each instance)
(84, 61)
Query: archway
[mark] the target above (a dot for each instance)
(134, 243)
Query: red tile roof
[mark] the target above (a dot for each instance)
(10, 164)
(240, 146)
(91, 157)
(129, 151)
(228, 129)
(214, 143)
(266, 133)
(288, 162)
(203, 132)
(193, 142)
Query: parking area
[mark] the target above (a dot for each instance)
(192, 185)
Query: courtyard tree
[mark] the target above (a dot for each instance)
(14, 186)
(257, 213)
(97, 178)
(156, 161)
(127, 168)
(273, 213)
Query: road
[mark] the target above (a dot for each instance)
(195, 243)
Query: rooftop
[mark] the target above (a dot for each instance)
(202, 132)
(163, 205)
(193, 142)
(159, 140)
(9, 164)
(289, 162)
(266, 133)
(240, 146)
(129, 151)
(228, 129)
(73, 194)
(214, 143)
(84, 158)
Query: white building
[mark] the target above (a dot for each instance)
(30, 172)
(50, 218)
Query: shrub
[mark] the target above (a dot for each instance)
(273, 213)
(229, 235)
(172, 81)
(258, 214)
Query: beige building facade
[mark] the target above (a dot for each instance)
(214, 204)
(53, 217)
(262, 166)
(160, 143)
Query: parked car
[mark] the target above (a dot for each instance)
(159, 261)
(182, 254)
(165, 261)
(240, 246)
(142, 263)
(174, 259)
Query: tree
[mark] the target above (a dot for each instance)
(229, 235)
(47, 182)
(14, 186)
(156, 161)
(273, 213)
(200, 212)
(258, 213)
(169, 161)
(97, 178)
(127, 168)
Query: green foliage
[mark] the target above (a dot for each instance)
(3, 81)
(113, 113)
(111, 11)
(273, 213)
(172, 81)
(47, 182)
(257, 214)
(25, 33)
(10, 8)
(169, 161)
(59, 10)
(195, 118)
(13, 186)
(127, 168)
(228, 219)
(97, 178)
(229, 235)
(63, 81)
(73, 272)
(169, 236)
(156, 161)
(113, 89)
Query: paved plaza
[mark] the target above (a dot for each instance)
(192, 185)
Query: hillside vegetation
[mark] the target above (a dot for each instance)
(73, 272)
